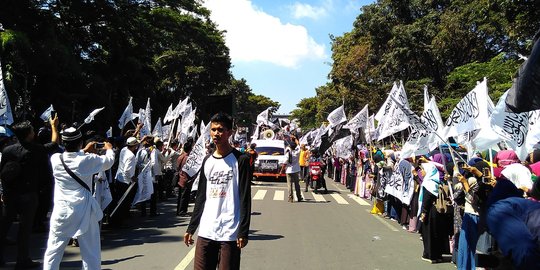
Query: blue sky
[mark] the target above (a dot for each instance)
(282, 48)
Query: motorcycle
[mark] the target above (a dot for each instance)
(315, 175)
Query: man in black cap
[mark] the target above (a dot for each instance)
(22, 165)
(76, 212)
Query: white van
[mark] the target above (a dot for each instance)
(271, 157)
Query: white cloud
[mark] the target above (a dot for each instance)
(253, 35)
(300, 10)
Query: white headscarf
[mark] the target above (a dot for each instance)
(518, 174)
(431, 179)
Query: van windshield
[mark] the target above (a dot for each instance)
(271, 151)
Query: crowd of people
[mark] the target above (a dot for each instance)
(72, 182)
(483, 212)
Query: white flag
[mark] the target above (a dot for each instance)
(91, 116)
(187, 122)
(169, 116)
(426, 97)
(358, 121)
(392, 120)
(127, 115)
(197, 154)
(369, 131)
(158, 129)
(383, 111)
(344, 146)
(262, 118)
(469, 113)
(336, 117)
(423, 137)
(46, 115)
(6, 116)
(180, 108)
(145, 188)
(511, 127)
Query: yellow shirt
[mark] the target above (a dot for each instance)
(303, 158)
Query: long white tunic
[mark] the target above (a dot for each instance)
(74, 206)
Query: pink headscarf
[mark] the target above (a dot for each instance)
(505, 158)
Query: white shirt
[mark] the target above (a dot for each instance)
(221, 215)
(74, 206)
(294, 166)
(126, 166)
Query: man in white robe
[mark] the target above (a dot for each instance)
(76, 212)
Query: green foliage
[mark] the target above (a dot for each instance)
(80, 55)
(306, 113)
(446, 45)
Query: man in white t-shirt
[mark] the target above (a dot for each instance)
(292, 165)
(223, 205)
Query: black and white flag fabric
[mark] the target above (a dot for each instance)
(335, 118)
(470, 113)
(262, 118)
(6, 115)
(46, 115)
(197, 154)
(370, 130)
(524, 96)
(358, 121)
(392, 117)
(512, 127)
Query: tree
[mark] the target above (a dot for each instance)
(306, 113)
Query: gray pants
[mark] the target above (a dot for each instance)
(292, 179)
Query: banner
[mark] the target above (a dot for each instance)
(145, 188)
(469, 113)
(91, 116)
(46, 115)
(127, 115)
(197, 154)
(401, 183)
(358, 121)
(102, 191)
(343, 147)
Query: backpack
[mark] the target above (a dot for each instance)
(443, 201)
(12, 171)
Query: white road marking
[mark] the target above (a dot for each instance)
(339, 199)
(260, 194)
(359, 200)
(186, 261)
(318, 197)
(279, 195)
(383, 221)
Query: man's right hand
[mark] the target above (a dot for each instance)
(188, 239)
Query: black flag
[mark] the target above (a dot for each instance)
(524, 96)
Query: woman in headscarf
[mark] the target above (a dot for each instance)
(434, 237)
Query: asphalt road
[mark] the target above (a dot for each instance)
(330, 231)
